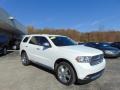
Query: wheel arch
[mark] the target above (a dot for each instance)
(65, 60)
(5, 46)
(22, 51)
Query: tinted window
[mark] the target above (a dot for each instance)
(62, 41)
(34, 41)
(38, 40)
(3, 38)
(42, 40)
(25, 39)
(117, 43)
(104, 45)
(91, 45)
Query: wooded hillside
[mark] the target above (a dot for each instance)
(97, 36)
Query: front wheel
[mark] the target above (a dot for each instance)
(65, 73)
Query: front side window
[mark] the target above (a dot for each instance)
(34, 41)
(38, 40)
(62, 41)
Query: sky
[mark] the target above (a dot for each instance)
(82, 15)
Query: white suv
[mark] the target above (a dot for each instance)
(71, 62)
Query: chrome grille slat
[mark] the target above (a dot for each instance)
(96, 59)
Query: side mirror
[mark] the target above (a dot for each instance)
(46, 45)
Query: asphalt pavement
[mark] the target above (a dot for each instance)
(15, 76)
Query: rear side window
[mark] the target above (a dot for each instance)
(38, 40)
(25, 39)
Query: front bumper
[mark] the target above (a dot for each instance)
(90, 77)
(85, 70)
(112, 55)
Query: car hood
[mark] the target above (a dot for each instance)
(81, 50)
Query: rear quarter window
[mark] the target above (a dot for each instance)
(25, 39)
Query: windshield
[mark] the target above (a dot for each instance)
(62, 41)
(104, 45)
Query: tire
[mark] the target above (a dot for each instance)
(4, 51)
(66, 75)
(24, 59)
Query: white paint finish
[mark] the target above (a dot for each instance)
(49, 56)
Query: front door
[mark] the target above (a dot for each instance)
(39, 53)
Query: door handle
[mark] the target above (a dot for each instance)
(37, 48)
(26, 46)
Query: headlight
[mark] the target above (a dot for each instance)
(83, 59)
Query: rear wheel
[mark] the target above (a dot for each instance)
(24, 59)
(4, 51)
(65, 73)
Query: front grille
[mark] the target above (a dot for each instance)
(96, 59)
